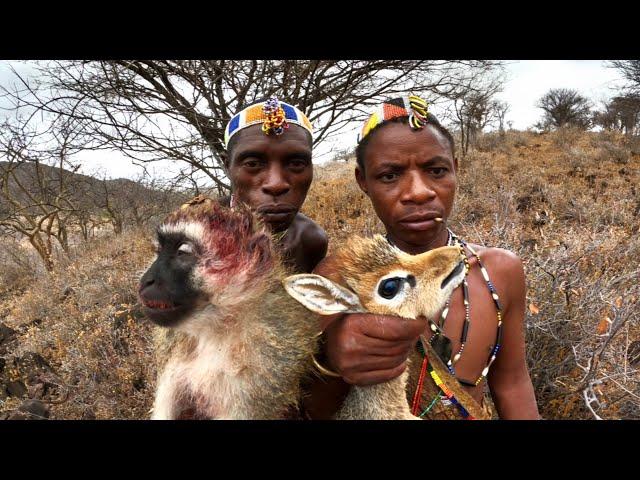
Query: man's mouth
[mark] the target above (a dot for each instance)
(276, 213)
(420, 221)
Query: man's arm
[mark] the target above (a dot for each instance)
(509, 381)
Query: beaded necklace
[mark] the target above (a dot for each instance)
(438, 330)
(443, 345)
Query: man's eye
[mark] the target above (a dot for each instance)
(438, 171)
(298, 163)
(252, 164)
(388, 177)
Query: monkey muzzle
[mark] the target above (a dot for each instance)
(163, 312)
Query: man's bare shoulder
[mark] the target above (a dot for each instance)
(499, 260)
(311, 234)
(506, 272)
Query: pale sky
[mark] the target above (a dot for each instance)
(527, 81)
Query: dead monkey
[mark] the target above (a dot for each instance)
(235, 345)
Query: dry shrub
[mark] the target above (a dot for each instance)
(633, 144)
(336, 202)
(491, 141)
(566, 136)
(575, 232)
(19, 265)
(578, 344)
(85, 322)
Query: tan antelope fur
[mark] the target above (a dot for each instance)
(364, 264)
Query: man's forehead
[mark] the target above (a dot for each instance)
(393, 137)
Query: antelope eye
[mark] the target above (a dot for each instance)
(390, 287)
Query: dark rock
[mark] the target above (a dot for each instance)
(6, 333)
(16, 388)
(88, 414)
(32, 362)
(34, 409)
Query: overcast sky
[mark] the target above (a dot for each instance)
(527, 81)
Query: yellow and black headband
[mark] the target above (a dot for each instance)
(412, 106)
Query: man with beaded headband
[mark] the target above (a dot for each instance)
(268, 160)
(406, 165)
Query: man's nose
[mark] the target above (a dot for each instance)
(418, 190)
(275, 183)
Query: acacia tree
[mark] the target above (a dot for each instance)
(158, 110)
(621, 113)
(501, 109)
(564, 107)
(475, 110)
(630, 70)
(37, 188)
(136, 202)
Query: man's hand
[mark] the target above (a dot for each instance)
(367, 349)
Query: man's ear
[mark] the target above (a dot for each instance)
(361, 180)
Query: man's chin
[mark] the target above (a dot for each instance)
(415, 238)
(278, 223)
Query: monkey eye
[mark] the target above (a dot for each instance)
(390, 287)
(185, 248)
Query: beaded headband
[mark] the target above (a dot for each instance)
(412, 106)
(275, 117)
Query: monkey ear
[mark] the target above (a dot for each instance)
(321, 295)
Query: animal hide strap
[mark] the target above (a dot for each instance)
(466, 400)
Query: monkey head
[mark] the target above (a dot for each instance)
(208, 256)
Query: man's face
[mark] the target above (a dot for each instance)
(272, 174)
(410, 177)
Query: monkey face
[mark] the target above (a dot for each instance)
(167, 289)
(208, 257)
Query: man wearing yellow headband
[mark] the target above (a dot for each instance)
(406, 165)
(269, 146)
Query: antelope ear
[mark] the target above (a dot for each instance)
(321, 295)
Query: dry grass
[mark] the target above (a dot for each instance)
(566, 202)
(83, 320)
